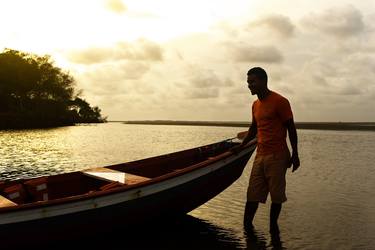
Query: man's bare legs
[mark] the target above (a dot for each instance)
(250, 210)
(274, 215)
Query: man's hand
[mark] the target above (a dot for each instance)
(294, 160)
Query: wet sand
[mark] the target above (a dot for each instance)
(359, 126)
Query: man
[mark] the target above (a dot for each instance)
(271, 119)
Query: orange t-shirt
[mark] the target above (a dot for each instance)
(270, 114)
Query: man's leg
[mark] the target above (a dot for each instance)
(250, 210)
(274, 215)
(257, 191)
(277, 166)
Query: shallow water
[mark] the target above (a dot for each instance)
(330, 198)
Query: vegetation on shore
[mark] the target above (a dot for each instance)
(363, 126)
(35, 93)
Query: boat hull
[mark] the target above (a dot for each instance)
(168, 203)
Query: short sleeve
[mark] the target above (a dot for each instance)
(284, 110)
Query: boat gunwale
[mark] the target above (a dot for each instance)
(124, 188)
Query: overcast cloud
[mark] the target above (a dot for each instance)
(141, 49)
(320, 56)
(279, 24)
(341, 22)
(255, 54)
(116, 6)
(319, 61)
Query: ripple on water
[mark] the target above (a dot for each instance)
(330, 198)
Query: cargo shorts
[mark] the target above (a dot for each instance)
(268, 176)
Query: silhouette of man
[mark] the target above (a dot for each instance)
(272, 118)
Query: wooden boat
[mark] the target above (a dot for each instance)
(65, 205)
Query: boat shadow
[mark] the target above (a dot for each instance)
(184, 232)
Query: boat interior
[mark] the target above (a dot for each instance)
(45, 188)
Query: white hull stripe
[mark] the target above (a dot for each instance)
(112, 199)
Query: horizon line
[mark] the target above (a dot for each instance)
(216, 121)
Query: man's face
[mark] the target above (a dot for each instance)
(254, 84)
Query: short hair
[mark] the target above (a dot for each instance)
(259, 72)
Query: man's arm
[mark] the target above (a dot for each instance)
(252, 132)
(293, 142)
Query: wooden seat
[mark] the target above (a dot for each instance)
(134, 179)
(105, 174)
(4, 202)
(37, 188)
(15, 192)
(114, 175)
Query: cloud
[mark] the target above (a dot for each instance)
(264, 54)
(141, 50)
(280, 24)
(91, 55)
(201, 83)
(350, 90)
(113, 78)
(134, 70)
(190, 82)
(338, 22)
(202, 75)
(116, 6)
(120, 71)
(227, 28)
(319, 81)
(202, 94)
(200, 78)
(238, 90)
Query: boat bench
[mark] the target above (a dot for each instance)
(114, 176)
(5, 202)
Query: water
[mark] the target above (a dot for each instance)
(330, 198)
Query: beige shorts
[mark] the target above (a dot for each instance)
(268, 176)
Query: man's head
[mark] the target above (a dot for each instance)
(257, 80)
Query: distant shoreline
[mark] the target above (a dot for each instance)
(359, 126)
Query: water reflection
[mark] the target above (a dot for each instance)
(31, 153)
(186, 232)
(330, 199)
(256, 240)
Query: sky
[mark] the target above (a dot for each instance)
(187, 60)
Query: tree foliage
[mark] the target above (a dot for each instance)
(35, 93)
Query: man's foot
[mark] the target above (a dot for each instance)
(276, 241)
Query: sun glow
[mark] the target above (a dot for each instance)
(42, 26)
(199, 50)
